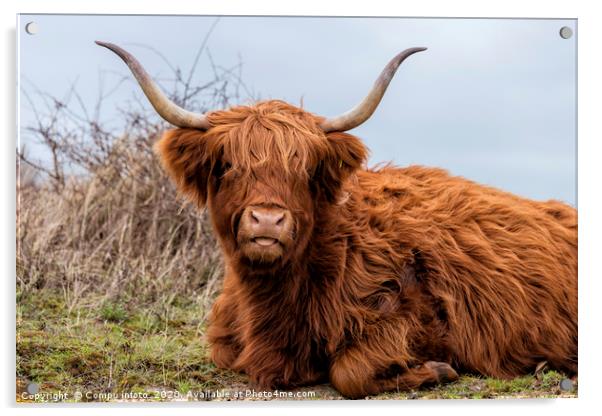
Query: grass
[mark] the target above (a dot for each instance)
(545, 385)
(113, 349)
(158, 354)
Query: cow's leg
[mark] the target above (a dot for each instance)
(221, 333)
(381, 362)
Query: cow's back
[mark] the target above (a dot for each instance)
(503, 267)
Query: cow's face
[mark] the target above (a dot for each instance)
(265, 172)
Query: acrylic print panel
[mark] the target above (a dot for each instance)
(236, 235)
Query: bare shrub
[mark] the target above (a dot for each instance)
(98, 219)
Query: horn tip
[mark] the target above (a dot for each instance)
(408, 52)
(104, 44)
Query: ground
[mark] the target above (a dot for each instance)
(107, 351)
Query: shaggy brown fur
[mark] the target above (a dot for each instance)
(392, 277)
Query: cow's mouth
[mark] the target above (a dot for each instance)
(264, 241)
(262, 249)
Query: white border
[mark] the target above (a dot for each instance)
(589, 32)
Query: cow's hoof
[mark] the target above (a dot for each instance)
(445, 373)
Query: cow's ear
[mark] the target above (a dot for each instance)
(184, 157)
(346, 154)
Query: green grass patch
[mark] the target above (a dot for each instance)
(113, 312)
(112, 349)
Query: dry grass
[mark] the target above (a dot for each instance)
(119, 233)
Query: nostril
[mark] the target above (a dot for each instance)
(280, 220)
(254, 217)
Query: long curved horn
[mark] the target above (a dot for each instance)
(364, 110)
(167, 109)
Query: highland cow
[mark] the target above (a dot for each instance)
(374, 280)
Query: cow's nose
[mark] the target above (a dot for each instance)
(267, 217)
(266, 222)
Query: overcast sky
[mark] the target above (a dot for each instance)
(492, 100)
